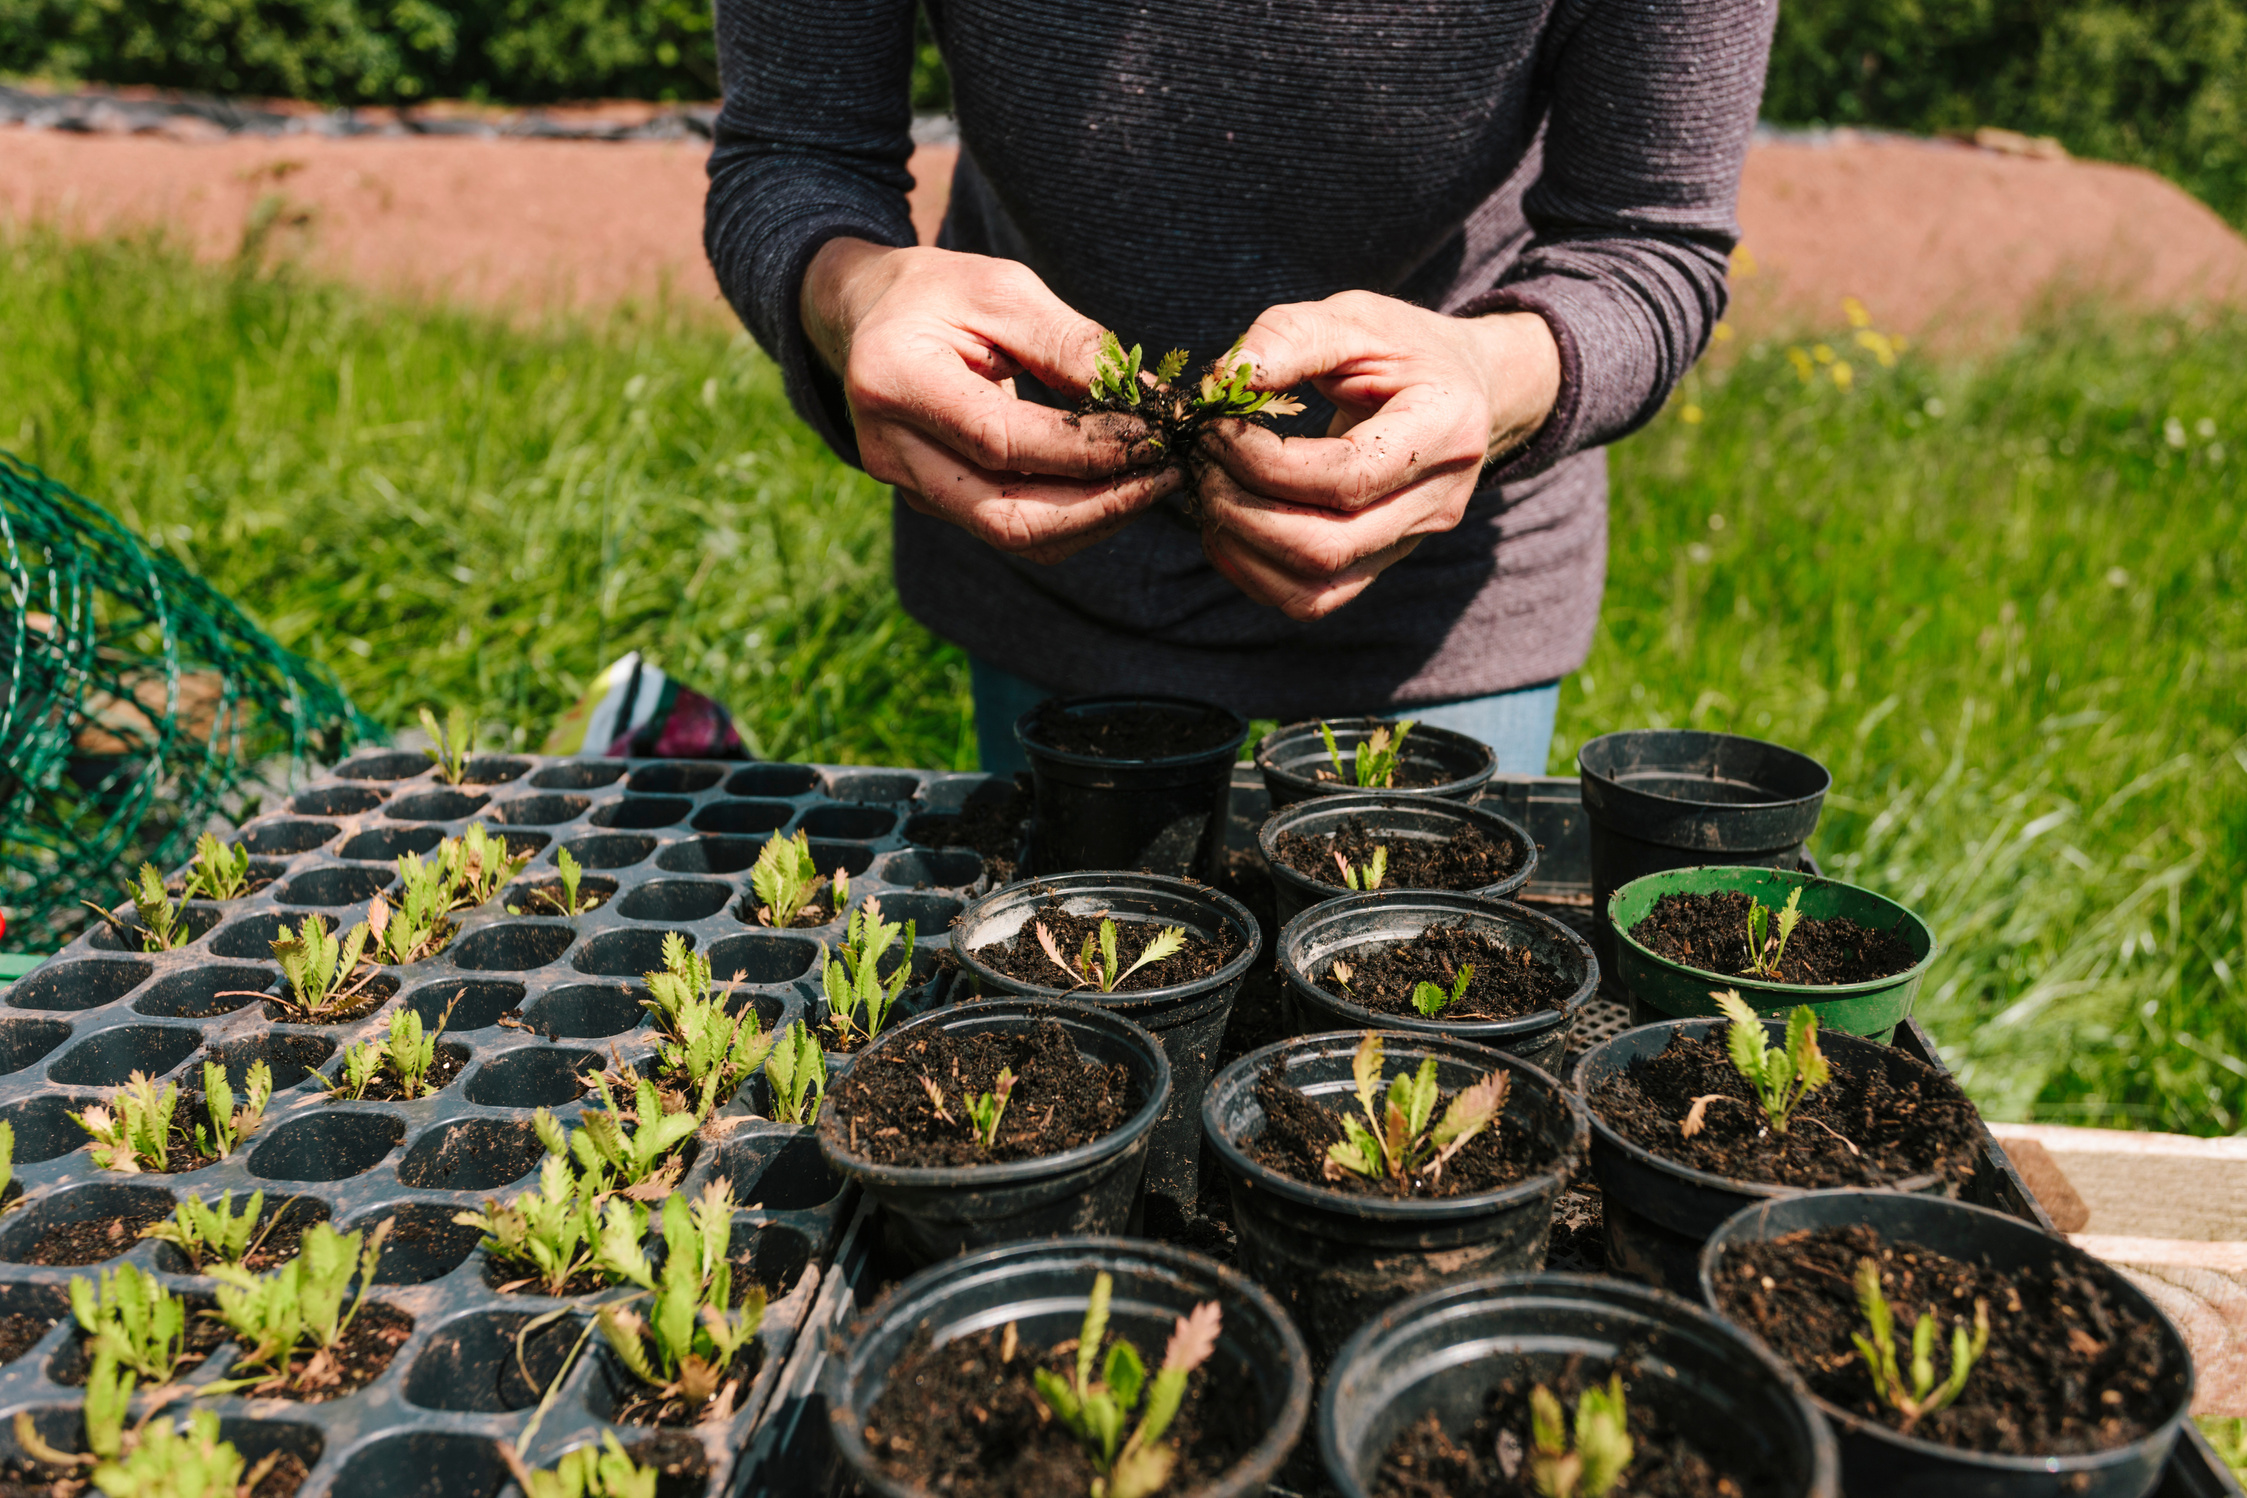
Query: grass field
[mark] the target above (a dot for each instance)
(2004, 601)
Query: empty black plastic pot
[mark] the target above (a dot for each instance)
(1188, 1018)
(1672, 798)
(1439, 762)
(1657, 1212)
(1446, 1353)
(1042, 1288)
(1164, 816)
(1386, 917)
(1877, 1459)
(1335, 1258)
(1392, 818)
(935, 1212)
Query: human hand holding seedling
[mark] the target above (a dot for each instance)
(1422, 402)
(927, 344)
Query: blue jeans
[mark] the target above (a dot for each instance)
(1518, 724)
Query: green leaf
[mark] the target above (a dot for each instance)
(1429, 999)
(1094, 1328)
(1124, 1374)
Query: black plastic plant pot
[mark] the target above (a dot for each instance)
(1878, 1459)
(1188, 1018)
(1393, 818)
(1658, 1213)
(1387, 917)
(1042, 1289)
(1335, 1258)
(1440, 763)
(1673, 798)
(1447, 1352)
(1164, 816)
(937, 1212)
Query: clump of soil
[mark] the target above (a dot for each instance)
(2070, 1368)
(1131, 733)
(1508, 981)
(1864, 1128)
(1490, 1458)
(964, 1421)
(1468, 859)
(643, 1405)
(1025, 957)
(1297, 1131)
(91, 1240)
(375, 1336)
(443, 1072)
(1059, 1100)
(19, 1332)
(992, 826)
(1710, 932)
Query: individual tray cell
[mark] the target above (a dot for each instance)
(123, 932)
(778, 1172)
(710, 855)
(674, 777)
(579, 775)
(512, 946)
(534, 1077)
(539, 811)
(334, 885)
(473, 1003)
(87, 983)
(108, 1057)
(677, 901)
(43, 1126)
(853, 859)
(938, 868)
(642, 813)
(472, 1154)
(931, 914)
(853, 822)
(292, 1057)
(34, 1303)
(336, 800)
(585, 1011)
(743, 818)
(542, 894)
(25, 1041)
(253, 934)
(493, 769)
(326, 1146)
(281, 839)
(615, 850)
(441, 804)
(623, 954)
(425, 1243)
(85, 1224)
(282, 1211)
(873, 785)
(423, 1464)
(491, 1362)
(391, 764)
(763, 957)
(386, 844)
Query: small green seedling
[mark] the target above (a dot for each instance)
(231, 1125)
(109, 1396)
(859, 999)
(797, 1070)
(1780, 1077)
(160, 928)
(1765, 951)
(298, 1306)
(1400, 1145)
(7, 1158)
(1225, 392)
(1919, 1396)
(132, 1131)
(603, 1471)
(130, 1317)
(785, 879)
(1603, 1442)
(212, 1234)
(408, 1054)
(477, 865)
(1367, 878)
(695, 1235)
(317, 966)
(569, 902)
(685, 1346)
(709, 1049)
(219, 872)
(415, 927)
(1374, 765)
(1094, 1410)
(450, 742)
(984, 1109)
(1098, 966)
(1432, 1000)
(166, 1462)
(641, 1161)
(552, 1229)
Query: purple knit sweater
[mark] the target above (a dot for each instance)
(1172, 169)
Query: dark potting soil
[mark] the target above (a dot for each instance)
(1925, 1126)
(1409, 775)
(378, 993)
(443, 1072)
(643, 1406)
(682, 1471)
(1490, 1458)
(521, 1277)
(1298, 1130)
(2069, 1367)
(1508, 981)
(18, 1332)
(93, 1239)
(1710, 932)
(1130, 733)
(374, 1337)
(1468, 859)
(1059, 1100)
(964, 1421)
(993, 828)
(751, 912)
(1025, 957)
(20, 1478)
(203, 1335)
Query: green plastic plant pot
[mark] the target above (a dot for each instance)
(1661, 989)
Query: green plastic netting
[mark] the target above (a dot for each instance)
(141, 706)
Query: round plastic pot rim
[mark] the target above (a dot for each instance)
(1606, 780)
(1462, 1029)
(1437, 1209)
(1344, 802)
(1774, 1029)
(1266, 1454)
(1037, 888)
(1858, 1425)
(1007, 1172)
(1227, 751)
(1447, 790)
(1807, 993)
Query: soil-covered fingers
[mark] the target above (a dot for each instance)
(1042, 518)
(1421, 432)
(1308, 560)
(1296, 596)
(922, 382)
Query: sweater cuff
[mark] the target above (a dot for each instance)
(1595, 404)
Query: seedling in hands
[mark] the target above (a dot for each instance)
(219, 872)
(231, 1125)
(568, 903)
(132, 1131)
(1367, 878)
(209, 1233)
(317, 967)
(1780, 1078)
(984, 1109)
(298, 1306)
(859, 999)
(797, 1070)
(1098, 965)
(1919, 1396)
(1094, 1410)
(160, 929)
(685, 1345)
(1374, 766)
(450, 742)
(1432, 1000)
(1765, 950)
(130, 1318)
(1399, 1144)
(786, 879)
(409, 1054)
(1603, 1442)
(603, 1471)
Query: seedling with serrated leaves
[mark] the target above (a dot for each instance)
(707, 1048)
(408, 1054)
(797, 1070)
(415, 927)
(160, 928)
(1432, 999)
(211, 1233)
(603, 1471)
(450, 742)
(1780, 1077)
(231, 1125)
(219, 871)
(1374, 765)
(568, 903)
(1594, 1464)
(785, 879)
(477, 865)
(151, 1460)
(1094, 1410)
(7, 1159)
(983, 1109)
(132, 1131)
(552, 1230)
(1920, 1395)
(1098, 966)
(685, 1345)
(640, 1161)
(859, 999)
(695, 1235)
(1367, 877)
(299, 1306)
(1400, 1145)
(1765, 951)
(109, 1396)
(1177, 411)
(318, 967)
(131, 1318)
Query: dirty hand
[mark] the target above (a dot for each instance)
(1422, 402)
(927, 343)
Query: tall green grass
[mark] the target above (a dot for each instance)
(2002, 600)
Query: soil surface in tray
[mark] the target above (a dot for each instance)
(1710, 932)
(1489, 1459)
(961, 1420)
(18, 1332)
(814, 912)
(443, 1072)
(1059, 1100)
(1468, 859)
(992, 827)
(640, 1404)
(27, 1479)
(1025, 957)
(1297, 1131)
(93, 1239)
(2069, 1369)
(1131, 733)
(1924, 1127)
(375, 1336)
(359, 1007)
(1508, 981)
(521, 1277)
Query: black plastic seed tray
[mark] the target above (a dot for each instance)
(535, 1001)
